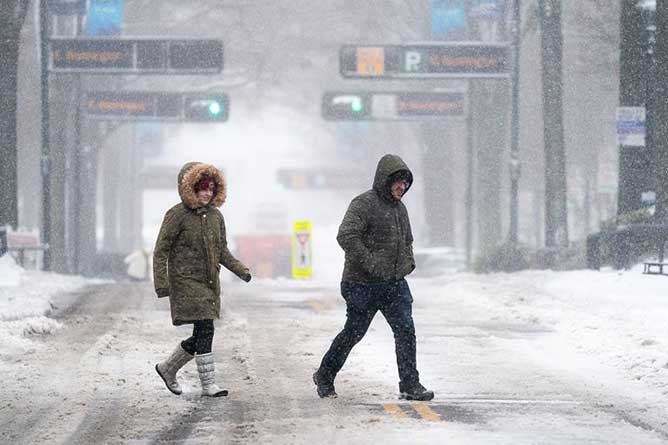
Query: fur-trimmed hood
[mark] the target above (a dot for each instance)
(190, 175)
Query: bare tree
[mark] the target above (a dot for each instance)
(590, 82)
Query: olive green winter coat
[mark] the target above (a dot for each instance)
(191, 246)
(375, 233)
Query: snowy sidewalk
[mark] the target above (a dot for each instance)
(606, 332)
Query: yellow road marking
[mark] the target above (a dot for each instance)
(394, 410)
(426, 412)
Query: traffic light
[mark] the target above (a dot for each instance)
(206, 108)
(346, 106)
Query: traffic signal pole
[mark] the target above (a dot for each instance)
(75, 232)
(660, 124)
(515, 124)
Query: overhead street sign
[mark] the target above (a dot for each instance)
(398, 105)
(425, 60)
(135, 56)
(145, 105)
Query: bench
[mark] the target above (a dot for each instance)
(19, 253)
(655, 268)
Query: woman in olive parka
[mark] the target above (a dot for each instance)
(191, 246)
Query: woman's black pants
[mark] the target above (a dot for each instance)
(201, 340)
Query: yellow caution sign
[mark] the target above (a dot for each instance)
(302, 252)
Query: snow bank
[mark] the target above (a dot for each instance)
(26, 299)
(10, 272)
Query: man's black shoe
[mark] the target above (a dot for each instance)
(325, 389)
(415, 392)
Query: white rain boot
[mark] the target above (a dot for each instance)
(167, 370)
(207, 375)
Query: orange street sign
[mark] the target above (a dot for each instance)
(370, 61)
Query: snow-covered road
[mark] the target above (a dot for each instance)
(533, 357)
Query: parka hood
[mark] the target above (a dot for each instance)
(387, 166)
(190, 175)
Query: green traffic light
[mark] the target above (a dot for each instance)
(356, 105)
(214, 108)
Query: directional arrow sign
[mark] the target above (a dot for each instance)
(425, 60)
(399, 105)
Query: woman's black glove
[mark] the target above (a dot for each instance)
(246, 276)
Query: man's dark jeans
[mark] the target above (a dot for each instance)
(394, 301)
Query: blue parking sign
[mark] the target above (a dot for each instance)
(448, 19)
(105, 18)
(631, 131)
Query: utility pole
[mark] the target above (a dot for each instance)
(515, 125)
(556, 211)
(469, 181)
(46, 152)
(634, 162)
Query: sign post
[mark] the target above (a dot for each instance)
(3, 240)
(302, 251)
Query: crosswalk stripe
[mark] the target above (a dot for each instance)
(426, 412)
(394, 410)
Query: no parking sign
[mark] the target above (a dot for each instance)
(302, 253)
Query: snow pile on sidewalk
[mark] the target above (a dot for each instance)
(26, 298)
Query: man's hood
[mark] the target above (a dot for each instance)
(387, 166)
(190, 175)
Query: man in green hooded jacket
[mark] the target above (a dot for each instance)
(378, 243)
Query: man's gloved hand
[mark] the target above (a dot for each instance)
(246, 276)
(162, 292)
